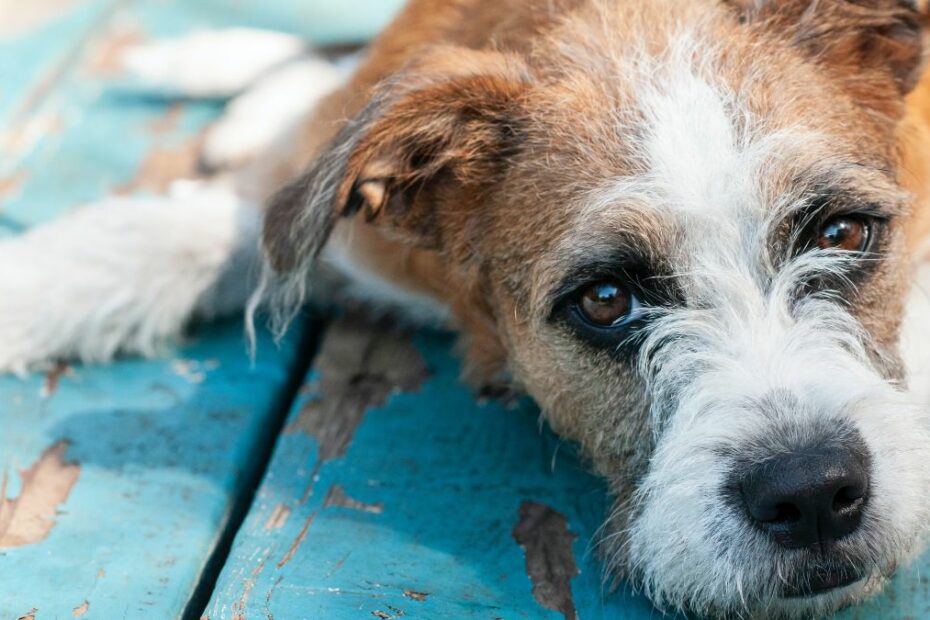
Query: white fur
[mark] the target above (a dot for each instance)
(742, 338)
(213, 63)
(124, 276)
(269, 111)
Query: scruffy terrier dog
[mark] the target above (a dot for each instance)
(688, 229)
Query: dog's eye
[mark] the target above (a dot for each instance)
(606, 304)
(846, 233)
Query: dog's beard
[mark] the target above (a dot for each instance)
(685, 541)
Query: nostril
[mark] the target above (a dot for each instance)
(786, 513)
(848, 498)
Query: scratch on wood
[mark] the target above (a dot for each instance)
(241, 606)
(416, 596)
(547, 541)
(297, 541)
(336, 497)
(360, 365)
(81, 609)
(278, 517)
(29, 615)
(28, 519)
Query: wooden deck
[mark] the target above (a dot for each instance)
(384, 489)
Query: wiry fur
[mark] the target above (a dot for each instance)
(488, 155)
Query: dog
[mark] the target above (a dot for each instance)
(692, 231)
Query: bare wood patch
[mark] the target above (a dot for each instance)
(278, 517)
(165, 165)
(416, 596)
(360, 365)
(29, 615)
(28, 519)
(81, 609)
(336, 497)
(106, 57)
(547, 541)
(53, 379)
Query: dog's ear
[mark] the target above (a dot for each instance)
(428, 143)
(877, 45)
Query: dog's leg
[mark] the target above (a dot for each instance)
(124, 276)
(211, 64)
(268, 112)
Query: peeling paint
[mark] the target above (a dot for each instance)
(163, 166)
(80, 610)
(336, 497)
(53, 378)
(28, 519)
(297, 541)
(106, 57)
(359, 366)
(547, 541)
(10, 186)
(278, 517)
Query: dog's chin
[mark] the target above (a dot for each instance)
(823, 595)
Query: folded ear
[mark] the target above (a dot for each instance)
(429, 142)
(877, 45)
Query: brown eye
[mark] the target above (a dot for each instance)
(606, 303)
(849, 234)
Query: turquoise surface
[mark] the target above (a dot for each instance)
(164, 455)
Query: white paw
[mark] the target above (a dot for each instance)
(268, 112)
(213, 63)
(125, 275)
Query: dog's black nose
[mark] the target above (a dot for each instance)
(811, 499)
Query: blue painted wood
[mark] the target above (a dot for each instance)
(137, 468)
(164, 449)
(418, 515)
(416, 519)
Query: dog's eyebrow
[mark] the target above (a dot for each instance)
(620, 259)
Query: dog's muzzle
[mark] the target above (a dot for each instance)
(808, 501)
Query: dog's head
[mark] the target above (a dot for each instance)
(679, 226)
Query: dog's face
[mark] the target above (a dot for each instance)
(681, 230)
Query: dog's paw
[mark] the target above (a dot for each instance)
(268, 112)
(211, 64)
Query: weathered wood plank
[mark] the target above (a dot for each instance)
(392, 492)
(117, 484)
(118, 481)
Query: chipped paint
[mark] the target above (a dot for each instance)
(416, 596)
(163, 165)
(29, 615)
(53, 378)
(297, 541)
(28, 519)
(337, 498)
(359, 368)
(278, 518)
(106, 56)
(12, 185)
(81, 609)
(240, 607)
(546, 540)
